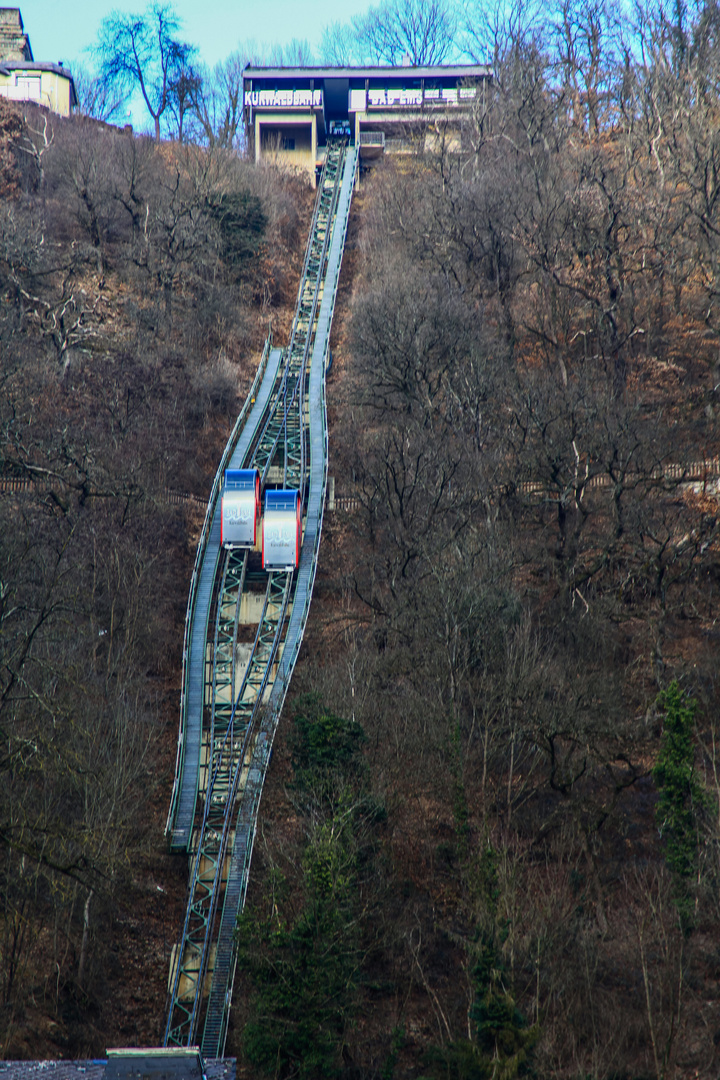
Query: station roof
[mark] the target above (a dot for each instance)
(435, 71)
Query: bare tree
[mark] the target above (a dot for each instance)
(338, 46)
(297, 53)
(183, 94)
(96, 96)
(142, 52)
(217, 102)
(492, 33)
(423, 33)
(584, 46)
(37, 138)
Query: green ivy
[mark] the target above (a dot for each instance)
(325, 750)
(241, 224)
(503, 1034)
(397, 1042)
(681, 797)
(302, 958)
(304, 978)
(502, 1043)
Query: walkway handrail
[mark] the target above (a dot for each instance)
(199, 556)
(212, 910)
(184, 1027)
(215, 1032)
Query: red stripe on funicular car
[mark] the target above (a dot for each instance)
(281, 530)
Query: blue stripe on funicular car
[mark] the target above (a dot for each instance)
(281, 530)
(240, 508)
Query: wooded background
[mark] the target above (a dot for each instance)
(489, 844)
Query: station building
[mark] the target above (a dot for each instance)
(289, 112)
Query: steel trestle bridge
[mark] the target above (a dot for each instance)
(233, 690)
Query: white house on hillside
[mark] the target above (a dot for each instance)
(22, 78)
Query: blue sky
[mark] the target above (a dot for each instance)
(62, 29)
(65, 30)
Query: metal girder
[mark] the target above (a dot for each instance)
(218, 1006)
(225, 648)
(283, 431)
(238, 745)
(225, 761)
(181, 815)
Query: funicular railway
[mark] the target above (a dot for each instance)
(232, 690)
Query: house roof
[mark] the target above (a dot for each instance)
(52, 1070)
(7, 66)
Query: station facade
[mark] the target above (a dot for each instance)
(289, 112)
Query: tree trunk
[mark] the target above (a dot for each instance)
(85, 937)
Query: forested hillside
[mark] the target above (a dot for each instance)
(137, 283)
(488, 846)
(491, 849)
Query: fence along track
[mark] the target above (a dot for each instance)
(284, 426)
(239, 745)
(224, 770)
(187, 764)
(216, 1020)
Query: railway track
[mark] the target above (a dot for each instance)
(233, 692)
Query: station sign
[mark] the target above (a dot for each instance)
(396, 98)
(284, 99)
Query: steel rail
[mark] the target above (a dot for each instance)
(191, 957)
(238, 747)
(263, 439)
(222, 698)
(184, 791)
(224, 770)
(301, 333)
(219, 1000)
(295, 427)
